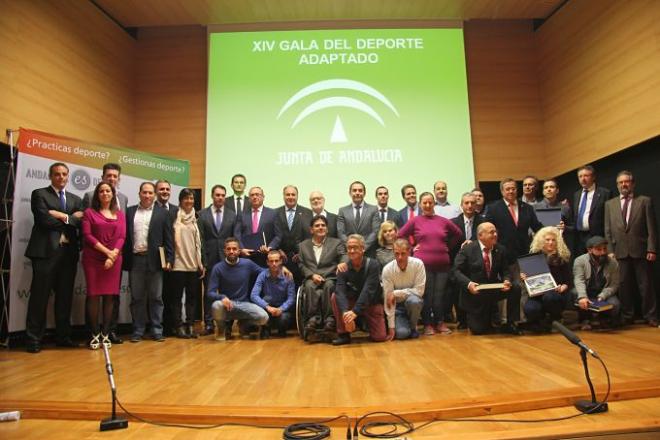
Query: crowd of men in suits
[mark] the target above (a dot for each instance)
(332, 256)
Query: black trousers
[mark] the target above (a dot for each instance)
(56, 273)
(193, 285)
(479, 319)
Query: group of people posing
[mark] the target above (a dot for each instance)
(368, 266)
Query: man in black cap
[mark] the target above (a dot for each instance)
(596, 279)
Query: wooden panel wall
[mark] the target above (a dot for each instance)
(170, 103)
(599, 76)
(507, 131)
(66, 69)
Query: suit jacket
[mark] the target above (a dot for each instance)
(469, 266)
(460, 222)
(89, 195)
(334, 252)
(640, 234)
(160, 234)
(172, 210)
(597, 212)
(268, 225)
(403, 215)
(368, 227)
(332, 225)
(214, 240)
(230, 204)
(515, 239)
(392, 215)
(291, 239)
(47, 230)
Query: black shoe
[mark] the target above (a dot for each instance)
(66, 343)
(510, 329)
(159, 338)
(281, 333)
(115, 339)
(244, 331)
(33, 347)
(462, 326)
(342, 339)
(181, 333)
(264, 333)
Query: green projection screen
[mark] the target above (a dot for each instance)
(320, 109)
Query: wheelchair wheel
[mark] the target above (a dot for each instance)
(300, 317)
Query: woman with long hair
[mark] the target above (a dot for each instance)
(104, 232)
(542, 310)
(434, 236)
(188, 269)
(386, 236)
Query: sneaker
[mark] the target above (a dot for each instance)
(443, 329)
(429, 330)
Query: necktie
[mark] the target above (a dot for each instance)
(289, 218)
(239, 209)
(255, 221)
(357, 214)
(513, 214)
(582, 210)
(218, 219)
(62, 201)
(487, 262)
(382, 215)
(624, 211)
(468, 229)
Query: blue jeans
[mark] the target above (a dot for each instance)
(243, 311)
(146, 294)
(434, 297)
(406, 316)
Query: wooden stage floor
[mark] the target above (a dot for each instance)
(282, 381)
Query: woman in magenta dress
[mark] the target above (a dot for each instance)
(104, 231)
(434, 236)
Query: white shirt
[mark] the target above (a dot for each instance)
(447, 210)
(141, 228)
(402, 283)
(318, 250)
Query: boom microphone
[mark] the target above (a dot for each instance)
(573, 338)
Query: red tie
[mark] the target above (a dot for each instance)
(487, 262)
(255, 221)
(513, 214)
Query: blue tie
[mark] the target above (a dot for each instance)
(62, 201)
(582, 210)
(218, 220)
(289, 218)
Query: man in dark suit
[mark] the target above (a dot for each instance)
(111, 175)
(467, 222)
(238, 202)
(384, 211)
(359, 218)
(163, 197)
(483, 261)
(317, 203)
(630, 229)
(148, 228)
(293, 222)
(53, 250)
(411, 210)
(216, 223)
(588, 210)
(320, 258)
(258, 230)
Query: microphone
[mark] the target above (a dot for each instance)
(573, 338)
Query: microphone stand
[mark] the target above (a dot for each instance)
(113, 422)
(586, 406)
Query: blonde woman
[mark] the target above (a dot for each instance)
(542, 310)
(386, 236)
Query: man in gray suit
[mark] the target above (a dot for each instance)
(320, 258)
(111, 175)
(630, 229)
(359, 218)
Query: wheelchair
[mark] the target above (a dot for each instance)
(316, 335)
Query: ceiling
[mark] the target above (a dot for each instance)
(142, 13)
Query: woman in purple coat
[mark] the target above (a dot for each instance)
(434, 237)
(104, 231)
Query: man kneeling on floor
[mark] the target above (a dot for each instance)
(229, 289)
(403, 287)
(358, 292)
(276, 294)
